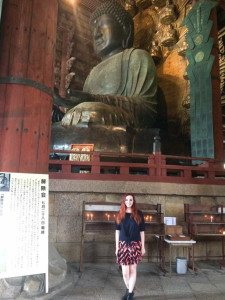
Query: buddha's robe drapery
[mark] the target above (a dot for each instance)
(132, 75)
(119, 91)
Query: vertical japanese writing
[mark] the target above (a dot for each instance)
(27, 210)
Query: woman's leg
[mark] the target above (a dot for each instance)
(126, 274)
(132, 277)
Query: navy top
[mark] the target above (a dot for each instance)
(129, 229)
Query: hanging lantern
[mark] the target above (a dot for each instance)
(131, 7)
(182, 49)
(167, 14)
(169, 37)
(159, 3)
(142, 4)
(156, 52)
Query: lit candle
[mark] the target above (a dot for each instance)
(150, 218)
(87, 216)
(91, 216)
(147, 218)
(211, 219)
(224, 232)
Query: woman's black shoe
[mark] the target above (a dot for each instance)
(125, 295)
(130, 296)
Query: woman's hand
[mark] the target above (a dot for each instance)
(142, 251)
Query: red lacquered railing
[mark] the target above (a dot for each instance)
(136, 167)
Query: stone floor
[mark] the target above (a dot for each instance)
(103, 281)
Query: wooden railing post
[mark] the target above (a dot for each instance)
(187, 173)
(151, 161)
(66, 168)
(124, 170)
(95, 167)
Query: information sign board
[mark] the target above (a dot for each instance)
(23, 225)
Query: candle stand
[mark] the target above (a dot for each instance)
(99, 218)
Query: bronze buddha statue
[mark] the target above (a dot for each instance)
(122, 89)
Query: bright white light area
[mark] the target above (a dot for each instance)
(71, 1)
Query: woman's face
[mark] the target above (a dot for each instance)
(129, 201)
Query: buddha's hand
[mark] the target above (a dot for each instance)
(71, 118)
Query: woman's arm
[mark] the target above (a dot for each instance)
(117, 235)
(142, 243)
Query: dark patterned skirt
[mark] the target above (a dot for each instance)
(129, 254)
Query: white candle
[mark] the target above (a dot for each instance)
(211, 218)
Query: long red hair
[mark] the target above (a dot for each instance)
(134, 212)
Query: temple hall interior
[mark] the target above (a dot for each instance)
(148, 120)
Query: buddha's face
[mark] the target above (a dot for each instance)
(107, 35)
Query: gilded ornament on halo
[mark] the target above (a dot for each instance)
(182, 49)
(131, 7)
(142, 4)
(159, 3)
(144, 27)
(169, 37)
(156, 52)
(185, 75)
(167, 15)
(186, 102)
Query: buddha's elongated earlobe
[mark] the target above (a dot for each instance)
(126, 37)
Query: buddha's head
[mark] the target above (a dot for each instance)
(112, 28)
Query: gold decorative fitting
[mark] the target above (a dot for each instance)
(169, 37)
(186, 102)
(142, 4)
(185, 75)
(167, 15)
(159, 3)
(131, 7)
(182, 50)
(155, 52)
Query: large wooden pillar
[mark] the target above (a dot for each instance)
(27, 46)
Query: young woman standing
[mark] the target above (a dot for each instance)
(130, 241)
